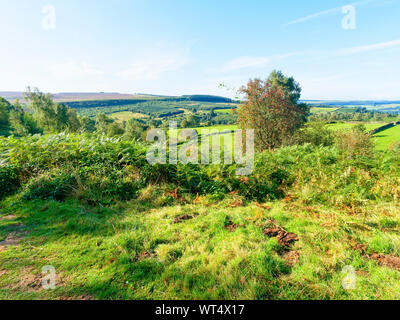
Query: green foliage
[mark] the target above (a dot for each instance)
(50, 116)
(135, 130)
(102, 122)
(4, 117)
(55, 185)
(289, 85)
(87, 125)
(355, 142)
(115, 129)
(9, 180)
(191, 121)
(316, 133)
(22, 123)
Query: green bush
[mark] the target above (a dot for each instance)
(355, 142)
(315, 133)
(54, 185)
(9, 180)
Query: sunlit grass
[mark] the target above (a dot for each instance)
(136, 250)
(388, 138)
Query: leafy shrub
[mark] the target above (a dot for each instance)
(355, 142)
(54, 185)
(9, 181)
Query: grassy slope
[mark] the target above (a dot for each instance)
(136, 251)
(388, 138)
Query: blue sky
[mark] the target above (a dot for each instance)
(186, 46)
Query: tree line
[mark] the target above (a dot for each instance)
(42, 115)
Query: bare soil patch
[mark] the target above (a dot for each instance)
(389, 261)
(8, 217)
(12, 239)
(28, 281)
(385, 260)
(182, 218)
(285, 238)
(231, 226)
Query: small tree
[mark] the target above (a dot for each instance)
(22, 123)
(44, 109)
(271, 109)
(4, 117)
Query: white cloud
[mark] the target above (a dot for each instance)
(153, 67)
(73, 69)
(371, 47)
(326, 12)
(261, 62)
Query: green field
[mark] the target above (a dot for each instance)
(384, 140)
(321, 110)
(349, 125)
(388, 138)
(126, 115)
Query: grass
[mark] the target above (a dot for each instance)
(136, 250)
(226, 140)
(388, 138)
(221, 128)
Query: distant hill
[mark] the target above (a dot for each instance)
(351, 102)
(208, 98)
(90, 99)
(74, 96)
